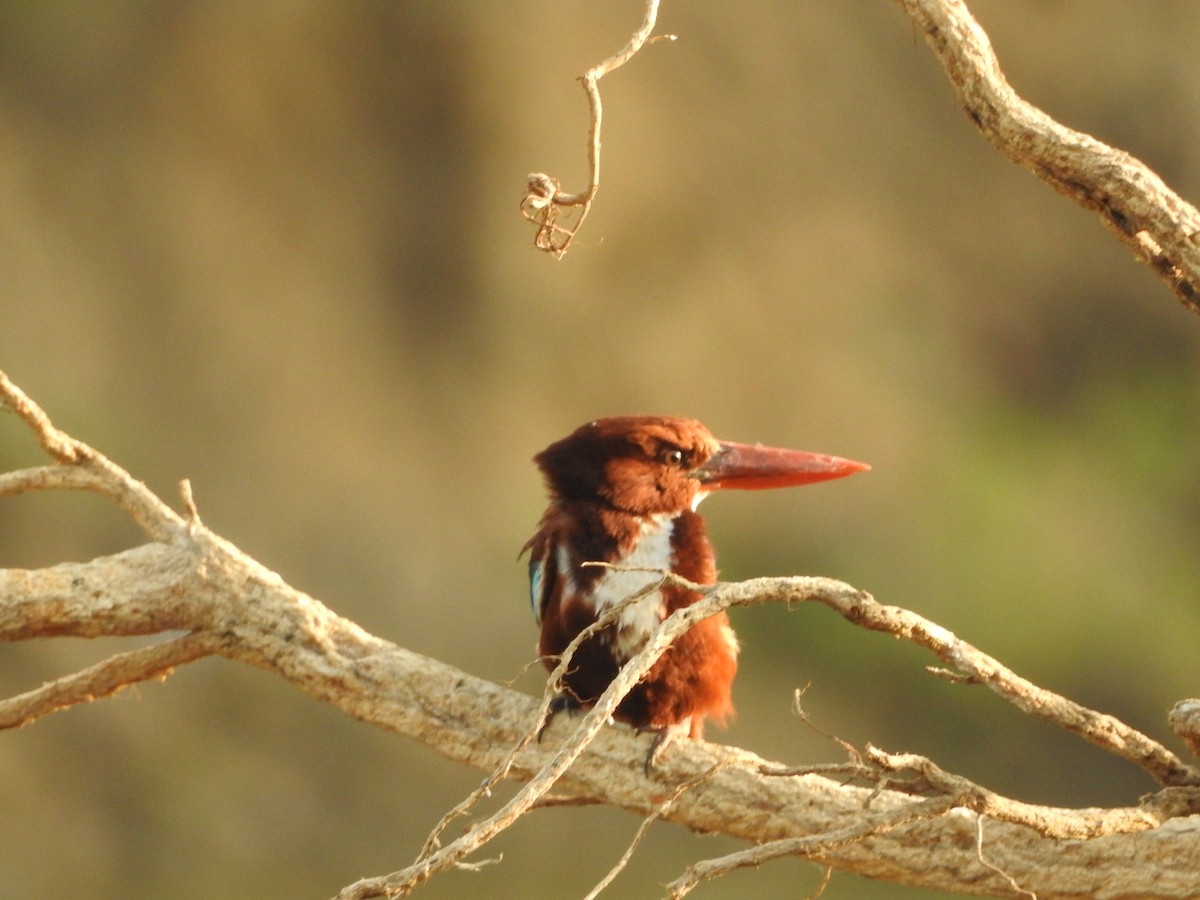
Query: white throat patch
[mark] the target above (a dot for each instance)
(640, 618)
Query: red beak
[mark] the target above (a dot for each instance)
(753, 466)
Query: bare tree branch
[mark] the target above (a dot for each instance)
(905, 818)
(105, 678)
(1158, 226)
(859, 607)
(544, 200)
(817, 845)
(91, 471)
(402, 882)
(1185, 722)
(193, 581)
(645, 827)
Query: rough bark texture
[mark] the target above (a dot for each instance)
(1156, 224)
(201, 583)
(920, 826)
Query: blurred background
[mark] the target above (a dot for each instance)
(275, 248)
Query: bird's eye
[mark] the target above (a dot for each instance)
(673, 457)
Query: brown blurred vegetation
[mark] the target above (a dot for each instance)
(275, 248)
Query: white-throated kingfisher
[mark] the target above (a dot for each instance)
(624, 491)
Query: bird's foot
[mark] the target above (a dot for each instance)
(664, 736)
(561, 703)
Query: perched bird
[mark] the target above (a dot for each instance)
(624, 490)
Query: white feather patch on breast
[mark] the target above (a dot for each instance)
(640, 618)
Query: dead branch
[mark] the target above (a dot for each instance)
(544, 200)
(816, 845)
(554, 687)
(1185, 722)
(860, 608)
(620, 864)
(1158, 226)
(189, 580)
(104, 679)
(402, 882)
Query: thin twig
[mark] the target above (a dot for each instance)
(189, 505)
(58, 444)
(554, 686)
(657, 814)
(811, 845)
(916, 774)
(82, 468)
(1104, 731)
(199, 582)
(105, 678)
(986, 863)
(798, 708)
(402, 882)
(820, 888)
(544, 201)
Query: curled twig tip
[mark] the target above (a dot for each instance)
(544, 200)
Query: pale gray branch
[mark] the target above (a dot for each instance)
(104, 679)
(226, 603)
(1156, 224)
(80, 467)
(859, 607)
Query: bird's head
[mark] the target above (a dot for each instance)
(647, 465)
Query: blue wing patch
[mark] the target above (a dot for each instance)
(537, 570)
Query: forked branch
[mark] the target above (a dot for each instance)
(190, 580)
